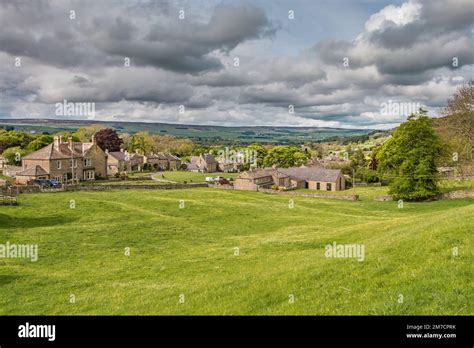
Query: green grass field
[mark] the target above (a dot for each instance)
(191, 252)
(181, 176)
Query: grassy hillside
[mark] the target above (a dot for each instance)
(190, 251)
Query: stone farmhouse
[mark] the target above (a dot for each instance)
(205, 163)
(229, 167)
(64, 162)
(163, 161)
(312, 177)
(123, 162)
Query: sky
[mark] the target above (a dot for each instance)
(322, 63)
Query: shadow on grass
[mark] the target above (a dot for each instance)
(7, 279)
(7, 221)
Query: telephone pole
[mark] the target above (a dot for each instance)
(353, 183)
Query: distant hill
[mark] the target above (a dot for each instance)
(200, 134)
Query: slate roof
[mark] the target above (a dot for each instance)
(63, 151)
(255, 174)
(33, 171)
(313, 173)
(119, 155)
(170, 157)
(157, 156)
(209, 159)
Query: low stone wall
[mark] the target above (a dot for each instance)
(312, 195)
(385, 198)
(17, 189)
(457, 194)
(36, 189)
(132, 187)
(222, 187)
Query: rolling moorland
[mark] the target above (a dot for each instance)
(199, 134)
(191, 252)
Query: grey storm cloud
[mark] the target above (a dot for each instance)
(404, 52)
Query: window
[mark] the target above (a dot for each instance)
(71, 162)
(88, 162)
(328, 186)
(65, 177)
(58, 164)
(90, 175)
(318, 186)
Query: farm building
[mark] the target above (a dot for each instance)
(312, 177)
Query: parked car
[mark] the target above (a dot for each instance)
(55, 183)
(47, 183)
(209, 179)
(223, 181)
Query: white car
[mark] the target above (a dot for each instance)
(209, 179)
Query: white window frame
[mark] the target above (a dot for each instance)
(88, 162)
(73, 163)
(58, 164)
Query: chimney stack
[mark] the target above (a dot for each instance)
(69, 140)
(56, 142)
(94, 140)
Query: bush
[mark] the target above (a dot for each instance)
(367, 175)
(13, 155)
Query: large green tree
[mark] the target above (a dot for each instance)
(285, 156)
(408, 159)
(40, 142)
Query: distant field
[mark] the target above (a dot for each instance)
(198, 133)
(192, 252)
